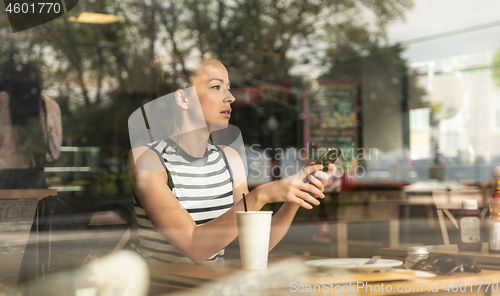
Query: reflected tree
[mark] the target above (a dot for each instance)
(100, 74)
(264, 39)
(388, 89)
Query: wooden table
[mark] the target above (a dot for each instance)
(227, 278)
(19, 204)
(26, 193)
(369, 211)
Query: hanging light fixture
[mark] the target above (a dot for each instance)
(95, 18)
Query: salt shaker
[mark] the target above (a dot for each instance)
(415, 254)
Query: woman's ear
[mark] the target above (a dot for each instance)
(181, 99)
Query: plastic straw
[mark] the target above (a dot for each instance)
(245, 202)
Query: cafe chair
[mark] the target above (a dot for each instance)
(69, 232)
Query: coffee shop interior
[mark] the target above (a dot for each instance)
(406, 92)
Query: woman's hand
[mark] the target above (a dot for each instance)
(294, 189)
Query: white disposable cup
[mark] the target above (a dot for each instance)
(254, 230)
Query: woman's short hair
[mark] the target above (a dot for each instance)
(168, 84)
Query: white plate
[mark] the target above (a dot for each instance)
(353, 264)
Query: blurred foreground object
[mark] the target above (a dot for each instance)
(445, 264)
(65, 231)
(122, 274)
(258, 282)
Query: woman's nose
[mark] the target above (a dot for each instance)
(229, 98)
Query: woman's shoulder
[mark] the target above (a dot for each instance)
(143, 160)
(228, 150)
(236, 164)
(152, 148)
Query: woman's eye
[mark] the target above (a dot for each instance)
(216, 87)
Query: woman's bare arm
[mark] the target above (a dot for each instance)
(198, 243)
(283, 218)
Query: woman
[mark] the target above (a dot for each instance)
(30, 127)
(186, 211)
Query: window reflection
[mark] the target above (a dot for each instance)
(409, 96)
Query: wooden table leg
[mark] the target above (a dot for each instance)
(444, 229)
(341, 239)
(484, 211)
(393, 233)
(430, 216)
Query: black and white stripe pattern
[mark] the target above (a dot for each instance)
(203, 187)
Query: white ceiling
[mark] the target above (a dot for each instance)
(430, 17)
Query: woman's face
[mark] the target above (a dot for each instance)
(212, 86)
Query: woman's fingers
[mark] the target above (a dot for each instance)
(312, 168)
(332, 169)
(319, 184)
(305, 193)
(303, 204)
(305, 173)
(322, 175)
(312, 189)
(304, 196)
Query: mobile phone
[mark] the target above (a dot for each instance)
(329, 156)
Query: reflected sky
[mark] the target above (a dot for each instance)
(430, 17)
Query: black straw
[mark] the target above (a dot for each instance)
(245, 202)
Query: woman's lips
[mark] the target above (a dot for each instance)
(226, 113)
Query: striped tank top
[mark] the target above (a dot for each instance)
(203, 186)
